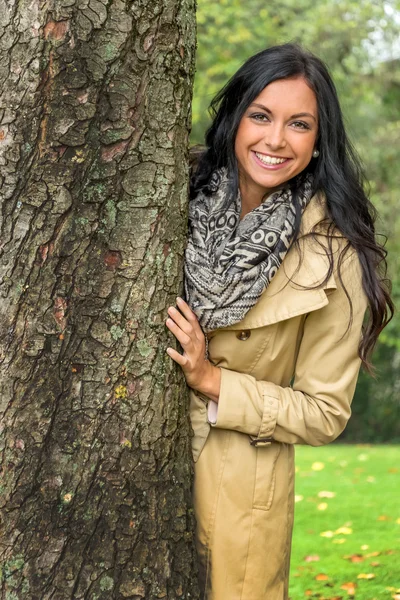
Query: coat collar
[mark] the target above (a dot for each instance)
(290, 293)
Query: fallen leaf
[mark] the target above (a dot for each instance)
(324, 494)
(366, 576)
(398, 521)
(318, 466)
(356, 558)
(321, 577)
(375, 563)
(327, 534)
(311, 558)
(339, 541)
(349, 587)
(344, 530)
(393, 470)
(363, 457)
(396, 596)
(383, 518)
(371, 479)
(371, 554)
(322, 506)
(298, 498)
(364, 547)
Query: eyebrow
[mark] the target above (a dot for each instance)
(298, 115)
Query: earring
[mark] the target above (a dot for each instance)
(315, 153)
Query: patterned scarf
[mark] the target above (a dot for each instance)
(229, 262)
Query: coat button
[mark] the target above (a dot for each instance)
(243, 335)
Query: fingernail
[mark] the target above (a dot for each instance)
(179, 299)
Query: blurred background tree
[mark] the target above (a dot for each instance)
(359, 41)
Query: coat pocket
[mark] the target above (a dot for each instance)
(200, 425)
(265, 477)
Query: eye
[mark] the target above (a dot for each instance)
(301, 125)
(261, 117)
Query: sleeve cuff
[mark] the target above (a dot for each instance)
(245, 405)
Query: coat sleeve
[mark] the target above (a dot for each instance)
(316, 408)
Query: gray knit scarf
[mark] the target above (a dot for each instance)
(229, 262)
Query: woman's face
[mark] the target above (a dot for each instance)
(276, 136)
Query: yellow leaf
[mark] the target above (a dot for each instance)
(322, 506)
(327, 534)
(318, 466)
(398, 521)
(366, 576)
(324, 494)
(321, 577)
(339, 540)
(364, 547)
(363, 457)
(344, 530)
(298, 498)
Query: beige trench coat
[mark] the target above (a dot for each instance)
(289, 371)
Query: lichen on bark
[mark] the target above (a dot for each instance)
(94, 437)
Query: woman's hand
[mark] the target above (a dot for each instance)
(199, 373)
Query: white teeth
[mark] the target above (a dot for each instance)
(270, 160)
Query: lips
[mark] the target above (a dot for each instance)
(270, 162)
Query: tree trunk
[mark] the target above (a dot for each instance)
(95, 463)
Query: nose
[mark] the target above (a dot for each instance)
(275, 136)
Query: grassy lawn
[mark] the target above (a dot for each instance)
(347, 523)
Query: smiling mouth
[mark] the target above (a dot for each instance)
(270, 160)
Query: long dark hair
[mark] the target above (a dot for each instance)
(337, 172)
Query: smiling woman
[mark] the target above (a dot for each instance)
(280, 267)
(275, 139)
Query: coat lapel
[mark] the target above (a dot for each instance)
(297, 287)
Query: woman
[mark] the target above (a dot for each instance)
(280, 267)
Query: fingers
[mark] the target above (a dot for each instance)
(180, 321)
(178, 358)
(183, 338)
(186, 310)
(186, 319)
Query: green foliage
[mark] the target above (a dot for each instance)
(358, 40)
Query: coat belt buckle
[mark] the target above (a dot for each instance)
(260, 441)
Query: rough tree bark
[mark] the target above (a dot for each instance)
(94, 449)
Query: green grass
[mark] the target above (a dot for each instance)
(365, 481)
